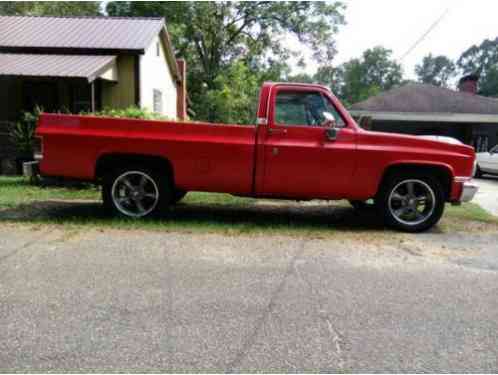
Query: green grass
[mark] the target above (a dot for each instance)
(15, 191)
(21, 202)
(471, 212)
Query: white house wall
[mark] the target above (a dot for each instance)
(155, 74)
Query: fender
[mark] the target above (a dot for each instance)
(419, 163)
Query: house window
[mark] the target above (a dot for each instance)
(158, 101)
(158, 49)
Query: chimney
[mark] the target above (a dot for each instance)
(181, 90)
(469, 83)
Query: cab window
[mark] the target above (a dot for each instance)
(304, 109)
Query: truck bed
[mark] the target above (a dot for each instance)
(203, 156)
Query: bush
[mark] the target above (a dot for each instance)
(130, 112)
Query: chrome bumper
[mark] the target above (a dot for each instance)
(469, 190)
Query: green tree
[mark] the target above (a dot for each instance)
(375, 71)
(235, 96)
(50, 8)
(482, 60)
(435, 70)
(326, 75)
(214, 35)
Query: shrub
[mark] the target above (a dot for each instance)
(130, 112)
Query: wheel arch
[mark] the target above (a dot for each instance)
(442, 172)
(109, 162)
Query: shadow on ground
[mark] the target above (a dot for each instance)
(262, 216)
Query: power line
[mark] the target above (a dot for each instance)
(421, 39)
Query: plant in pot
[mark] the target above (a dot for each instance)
(22, 135)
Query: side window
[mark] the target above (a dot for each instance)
(304, 108)
(158, 101)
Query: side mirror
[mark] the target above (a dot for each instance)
(331, 134)
(329, 120)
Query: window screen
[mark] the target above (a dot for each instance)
(158, 101)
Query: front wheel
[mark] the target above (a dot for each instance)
(412, 202)
(136, 192)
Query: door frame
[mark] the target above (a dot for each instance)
(264, 130)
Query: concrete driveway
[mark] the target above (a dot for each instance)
(90, 300)
(487, 196)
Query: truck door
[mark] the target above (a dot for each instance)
(309, 149)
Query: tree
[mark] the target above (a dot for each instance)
(235, 96)
(435, 70)
(482, 60)
(326, 75)
(213, 36)
(360, 78)
(50, 8)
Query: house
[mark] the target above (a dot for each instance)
(423, 109)
(86, 64)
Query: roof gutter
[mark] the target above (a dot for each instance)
(70, 50)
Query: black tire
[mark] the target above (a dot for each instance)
(432, 212)
(178, 195)
(361, 205)
(478, 173)
(156, 183)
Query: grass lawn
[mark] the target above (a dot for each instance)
(21, 202)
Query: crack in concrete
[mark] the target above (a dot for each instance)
(251, 339)
(336, 336)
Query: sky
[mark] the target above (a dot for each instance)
(398, 24)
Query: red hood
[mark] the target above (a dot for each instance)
(460, 158)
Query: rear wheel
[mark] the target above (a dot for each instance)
(136, 192)
(412, 202)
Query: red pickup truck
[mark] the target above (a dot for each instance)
(304, 146)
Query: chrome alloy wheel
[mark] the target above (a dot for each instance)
(412, 202)
(135, 194)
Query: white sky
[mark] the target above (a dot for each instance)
(397, 24)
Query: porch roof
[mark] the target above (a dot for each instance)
(89, 67)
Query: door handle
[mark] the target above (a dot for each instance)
(277, 131)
